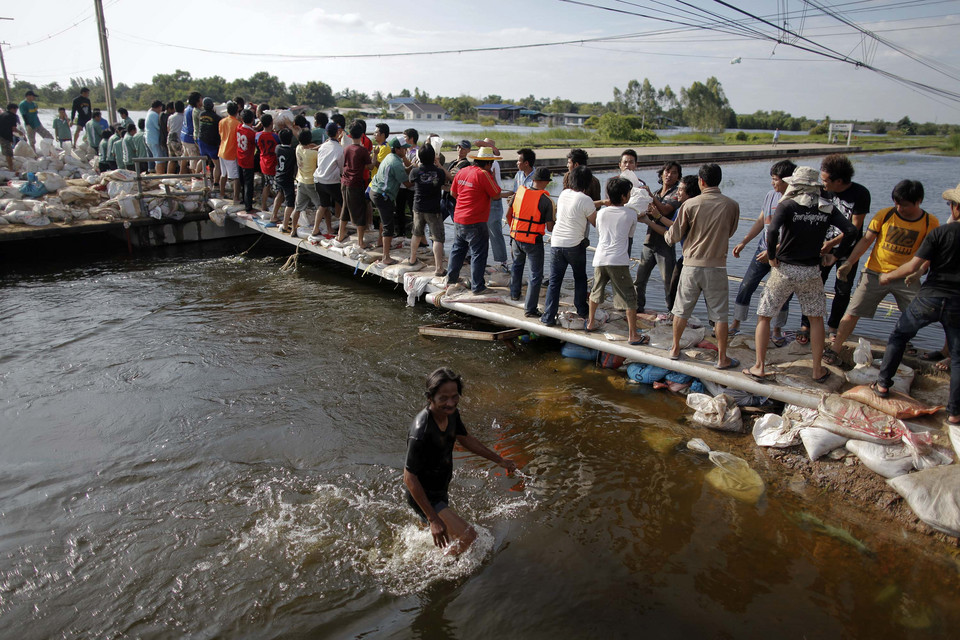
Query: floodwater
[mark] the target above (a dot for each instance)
(197, 445)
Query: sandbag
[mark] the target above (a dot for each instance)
(772, 430)
(572, 350)
(646, 373)
(32, 188)
(24, 150)
(720, 412)
(897, 404)
(129, 206)
(661, 337)
(116, 188)
(856, 420)
(81, 196)
(19, 205)
(30, 217)
(888, 460)
(52, 181)
(819, 442)
(934, 496)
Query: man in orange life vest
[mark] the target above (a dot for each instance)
(529, 217)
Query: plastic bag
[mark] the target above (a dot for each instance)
(888, 460)
(863, 355)
(720, 413)
(732, 475)
(819, 442)
(897, 404)
(934, 496)
(775, 431)
(32, 188)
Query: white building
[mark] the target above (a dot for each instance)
(421, 111)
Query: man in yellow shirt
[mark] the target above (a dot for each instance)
(898, 232)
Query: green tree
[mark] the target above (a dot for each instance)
(647, 105)
(705, 106)
(906, 126)
(313, 93)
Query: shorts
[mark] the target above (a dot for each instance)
(289, 191)
(6, 147)
(307, 197)
(270, 181)
(208, 150)
(229, 168)
(624, 291)
(329, 195)
(438, 506)
(712, 282)
(189, 149)
(432, 220)
(797, 279)
(174, 146)
(387, 209)
(354, 205)
(870, 292)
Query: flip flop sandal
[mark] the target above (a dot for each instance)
(822, 378)
(934, 355)
(675, 356)
(782, 341)
(587, 329)
(830, 357)
(877, 392)
(764, 378)
(734, 363)
(640, 341)
(803, 336)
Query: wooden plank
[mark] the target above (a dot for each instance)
(445, 331)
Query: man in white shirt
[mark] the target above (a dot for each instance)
(568, 244)
(327, 177)
(611, 261)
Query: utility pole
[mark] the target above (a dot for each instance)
(105, 61)
(3, 65)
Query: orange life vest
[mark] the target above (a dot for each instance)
(527, 223)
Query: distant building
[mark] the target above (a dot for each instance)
(421, 111)
(568, 119)
(506, 112)
(395, 103)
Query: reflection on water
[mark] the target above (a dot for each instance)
(197, 445)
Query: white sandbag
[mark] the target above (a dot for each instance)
(888, 460)
(218, 217)
(189, 206)
(129, 206)
(31, 218)
(29, 166)
(116, 188)
(109, 210)
(934, 496)
(720, 412)
(24, 150)
(10, 192)
(775, 431)
(218, 203)
(867, 374)
(236, 208)
(79, 214)
(819, 442)
(52, 181)
(92, 179)
(45, 147)
(58, 213)
(4, 220)
(120, 175)
(19, 205)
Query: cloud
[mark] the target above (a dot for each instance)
(322, 17)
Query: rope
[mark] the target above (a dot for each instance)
(253, 245)
(292, 261)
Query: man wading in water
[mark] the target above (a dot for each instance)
(429, 465)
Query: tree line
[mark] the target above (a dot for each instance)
(703, 106)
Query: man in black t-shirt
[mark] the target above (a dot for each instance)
(937, 301)
(9, 123)
(286, 176)
(429, 464)
(853, 201)
(80, 112)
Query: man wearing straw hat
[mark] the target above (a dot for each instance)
(797, 229)
(937, 301)
(474, 188)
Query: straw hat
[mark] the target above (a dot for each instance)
(952, 195)
(484, 153)
(804, 176)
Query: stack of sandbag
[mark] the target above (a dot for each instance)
(721, 412)
(25, 212)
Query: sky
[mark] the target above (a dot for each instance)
(242, 37)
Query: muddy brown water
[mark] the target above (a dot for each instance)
(195, 445)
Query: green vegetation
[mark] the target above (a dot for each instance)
(951, 145)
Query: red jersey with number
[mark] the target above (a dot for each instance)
(267, 142)
(246, 147)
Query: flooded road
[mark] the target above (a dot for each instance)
(196, 445)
